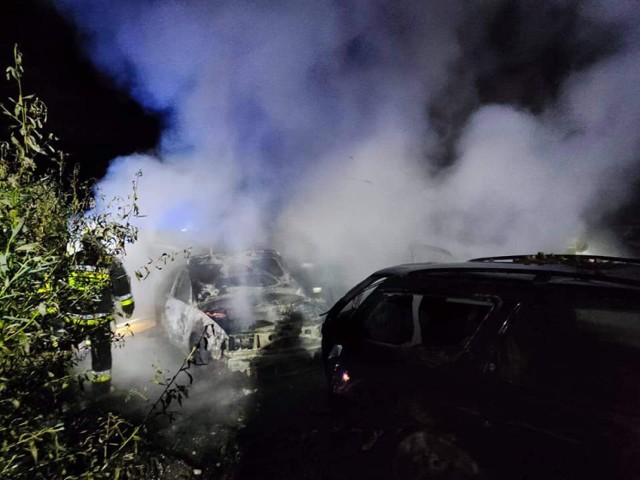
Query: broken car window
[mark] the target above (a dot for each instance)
(248, 280)
(269, 265)
(361, 297)
(205, 273)
(448, 324)
(391, 320)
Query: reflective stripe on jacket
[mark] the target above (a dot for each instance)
(101, 377)
(90, 320)
(104, 283)
(125, 300)
(84, 277)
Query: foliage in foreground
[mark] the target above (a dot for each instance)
(45, 430)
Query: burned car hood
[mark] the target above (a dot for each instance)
(254, 297)
(245, 308)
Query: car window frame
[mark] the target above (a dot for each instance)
(368, 306)
(183, 276)
(343, 311)
(375, 297)
(470, 346)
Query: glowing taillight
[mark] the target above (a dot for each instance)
(216, 315)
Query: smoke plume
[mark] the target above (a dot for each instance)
(355, 134)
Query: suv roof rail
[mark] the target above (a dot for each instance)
(550, 258)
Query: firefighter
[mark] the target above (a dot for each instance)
(98, 278)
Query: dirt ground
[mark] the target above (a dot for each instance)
(276, 424)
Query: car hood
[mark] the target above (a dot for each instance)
(253, 297)
(247, 309)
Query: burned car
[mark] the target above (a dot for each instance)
(505, 367)
(235, 307)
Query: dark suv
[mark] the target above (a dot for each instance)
(504, 367)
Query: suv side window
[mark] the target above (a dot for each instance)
(391, 320)
(448, 324)
(560, 348)
(539, 346)
(356, 301)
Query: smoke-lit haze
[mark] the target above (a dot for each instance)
(344, 133)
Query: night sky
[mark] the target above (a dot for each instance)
(94, 120)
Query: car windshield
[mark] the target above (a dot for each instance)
(206, 273)
(269, 265)
(260, 272)
(249, 280)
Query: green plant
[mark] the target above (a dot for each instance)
(45, 431)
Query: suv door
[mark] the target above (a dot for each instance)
(374, 358)
(409, 354)
(446, 358)
(549, 405)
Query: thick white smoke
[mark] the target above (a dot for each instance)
(303, 125)
(521, 182)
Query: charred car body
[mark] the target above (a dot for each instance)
(236, 307)
(529, 365)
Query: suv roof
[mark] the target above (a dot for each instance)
(541, 266)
